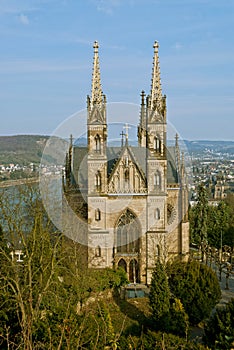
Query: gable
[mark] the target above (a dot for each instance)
(126, 174)
(96, 116)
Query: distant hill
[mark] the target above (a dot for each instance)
(25, 149)
(22, 149)
(215, 146)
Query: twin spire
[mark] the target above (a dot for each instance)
(154, 99)
(96, 94)
(156, 88)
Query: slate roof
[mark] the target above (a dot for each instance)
(113, 154)
(172, 173)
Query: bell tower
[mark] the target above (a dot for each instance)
(152, 134)
(96, 130)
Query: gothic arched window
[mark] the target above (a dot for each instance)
(157, 144)
(98, 181)
(98, 251)
(97, 144)
(157, 214)
(126, 176)
(158, 253)
(157, 180)
(128, 233)
(137, 183)
(97, 214)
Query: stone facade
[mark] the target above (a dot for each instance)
(133, 198)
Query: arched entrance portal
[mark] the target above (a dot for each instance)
(128, 232)
(122, 263)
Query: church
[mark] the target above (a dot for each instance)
(132, 199)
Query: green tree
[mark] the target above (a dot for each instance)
(159, 295)
(178, 322)
(228, 238)
(218, 217)
(219, 330)
(9, 325)
(199, 220)
(197, 286)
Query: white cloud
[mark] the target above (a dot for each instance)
(106, 6)
(23, 19)
(177, 46)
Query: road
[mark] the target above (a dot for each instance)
(227, 295)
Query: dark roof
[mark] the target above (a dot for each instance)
(172, 174)
(80, 165)
(113, 155)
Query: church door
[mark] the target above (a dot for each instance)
(122, 263)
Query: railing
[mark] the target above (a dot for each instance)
(111, 190)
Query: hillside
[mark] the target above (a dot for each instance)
(223, 147)
(25, 149)
(22, 149)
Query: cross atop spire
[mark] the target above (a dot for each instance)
(156, 89)
(126, 127)
(96, 95)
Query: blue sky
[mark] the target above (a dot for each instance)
(46, 59)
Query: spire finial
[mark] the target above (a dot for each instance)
(96, 96)
(71, 140)
(95, 46)
(122, 134)
(156, 89)
(177, 140)
(126, 127)
(156, 46)
(142, 97)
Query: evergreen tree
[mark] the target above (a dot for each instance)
(219, 330)
(201, 219)
(159, 295)
(178, 322)
(197, 286)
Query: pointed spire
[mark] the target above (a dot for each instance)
(156, 89)
(96, 94)
(126, 127)
(122, 134)
(143, 111)
(182, 165)
(71, 140)
(177, 141)
(177, 150)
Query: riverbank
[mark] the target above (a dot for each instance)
(18, 182)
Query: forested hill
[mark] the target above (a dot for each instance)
(223, 147)
(25, 149)
(22, 149)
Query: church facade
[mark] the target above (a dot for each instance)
(132, 199)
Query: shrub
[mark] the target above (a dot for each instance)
(219, 330)
(197, 286)
(178, 322)
(158, 341)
